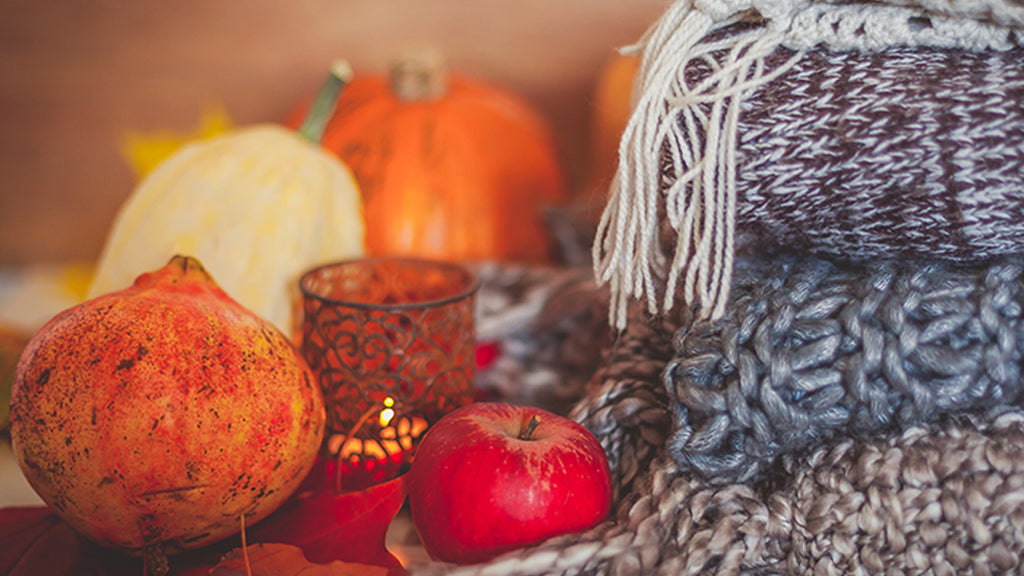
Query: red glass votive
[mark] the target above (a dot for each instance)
(392, 342)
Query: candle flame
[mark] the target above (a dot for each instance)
(385, 417)
(387, 413)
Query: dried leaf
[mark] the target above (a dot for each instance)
(34, 541)
(337, 531)
(329, 526)
(287, 560)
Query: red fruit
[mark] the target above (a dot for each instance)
(152, 418)
(488, 478)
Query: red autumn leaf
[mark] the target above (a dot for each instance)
(330, 526)
(34, 540)
(486, 354)
(286, 560)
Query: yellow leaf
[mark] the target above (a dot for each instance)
(76, 277)
(144, 151)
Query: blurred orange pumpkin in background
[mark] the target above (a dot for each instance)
(612, 107)
(449, 167)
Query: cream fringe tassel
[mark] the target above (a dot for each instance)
(697, 125)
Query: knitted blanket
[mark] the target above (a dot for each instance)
(944, 497)
(907, 152)
(809, 351)
(835, 193)
(854, 130)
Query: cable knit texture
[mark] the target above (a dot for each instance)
(810, 350)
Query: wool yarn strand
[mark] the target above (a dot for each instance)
(696, 126)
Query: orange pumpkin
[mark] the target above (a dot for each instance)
(449, 167)
(612, 108)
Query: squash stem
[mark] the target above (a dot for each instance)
(320, 112)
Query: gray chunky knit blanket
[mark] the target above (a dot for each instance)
(809, 350)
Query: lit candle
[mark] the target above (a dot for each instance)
(363, 462)
(392, 343)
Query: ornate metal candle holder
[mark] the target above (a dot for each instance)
(392, 343)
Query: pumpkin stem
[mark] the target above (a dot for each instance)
(419, 75)
(326, 99)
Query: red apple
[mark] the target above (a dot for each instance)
(489, 477)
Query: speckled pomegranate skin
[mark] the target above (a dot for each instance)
(157, 415)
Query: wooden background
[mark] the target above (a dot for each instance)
(75, 75)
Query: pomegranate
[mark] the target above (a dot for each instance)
(152, 418)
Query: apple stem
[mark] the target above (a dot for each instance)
(527, 432)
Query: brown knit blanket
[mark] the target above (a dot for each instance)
(904, 152)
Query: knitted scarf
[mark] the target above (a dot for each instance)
(854, 130)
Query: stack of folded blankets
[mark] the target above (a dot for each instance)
(813, 255)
